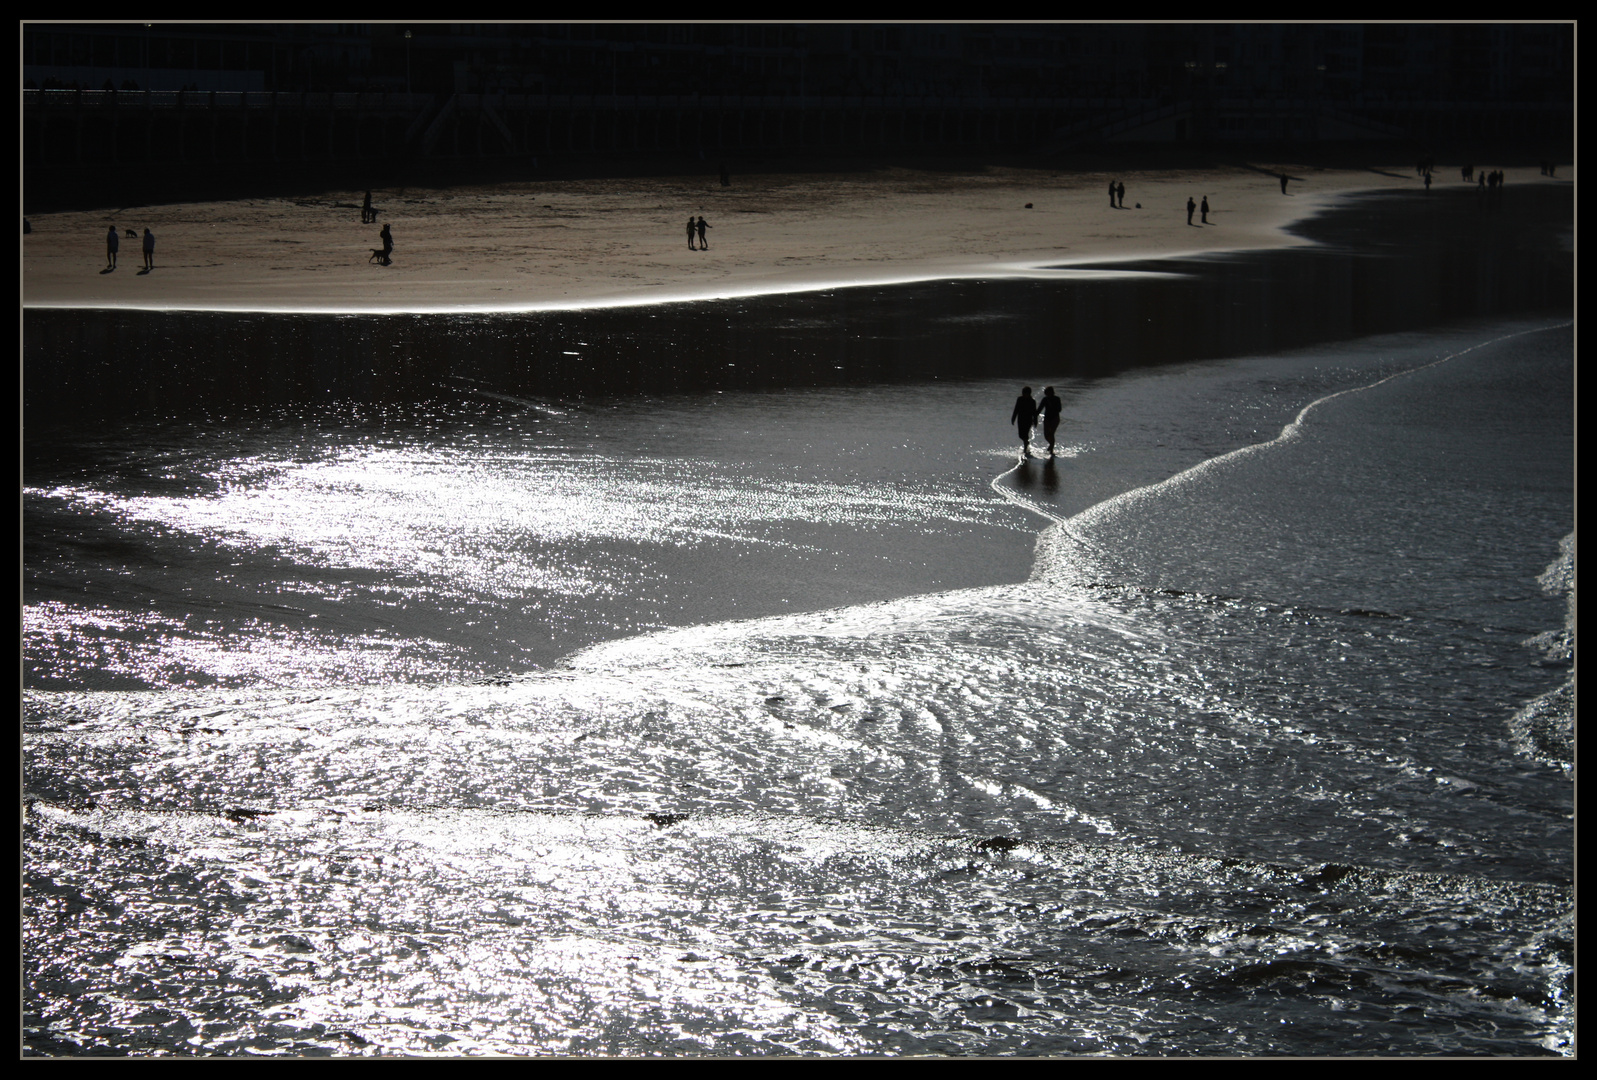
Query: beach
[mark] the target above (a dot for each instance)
(417, 672)
(533, 246)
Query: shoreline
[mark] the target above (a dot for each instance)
(971, 273)
(577, 245)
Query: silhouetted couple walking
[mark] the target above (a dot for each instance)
(113, 242)
(1025, 415)
(697, 227)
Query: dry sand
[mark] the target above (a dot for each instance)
(565, 244)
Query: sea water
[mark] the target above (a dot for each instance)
(807, 721)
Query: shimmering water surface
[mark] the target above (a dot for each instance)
(800, 719)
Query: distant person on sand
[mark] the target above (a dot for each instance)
(1050, 408)
(1283, 183)
(1120, 193)
(1191, 206)
(1204, 209)
(367, 214)
(704, 245)
(690, 235)
(388, 244)
(149, 250)
(1024, 418)
(1427, 183)
(112, 242)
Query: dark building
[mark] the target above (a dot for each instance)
(1352, 64)
(290, 95)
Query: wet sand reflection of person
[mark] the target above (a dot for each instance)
(1050, 477)
(1024, 417)
(1042, 481)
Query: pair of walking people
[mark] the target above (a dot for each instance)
(698, 227)
(113, 243)
(1026, 412)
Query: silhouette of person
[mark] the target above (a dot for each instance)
(690, 235)
(388, 244)
(1204, 209)
(149, 250)
(1191, 206)
(704, 245)
(367, 214)
(1120, 193)
(1111, 193)
(112, 242)
(1024, 418)
(1050, 408)
(1283, 183)
(1427, 183)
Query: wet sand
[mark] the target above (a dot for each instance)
(532, 246)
